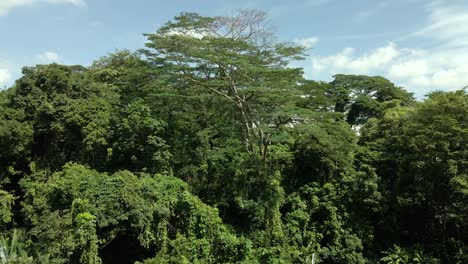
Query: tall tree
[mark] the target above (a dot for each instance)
(236, 58)
(360, 97)
(420, 154)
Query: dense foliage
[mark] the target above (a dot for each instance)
(206, 147)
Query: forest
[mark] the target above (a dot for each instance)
(208, 146)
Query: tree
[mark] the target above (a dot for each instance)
(360, 97)
(398, 255)
(235, 58)
(68, 113)
(207, 147)
(12, 249)
(234, 71)
(420, 156)
(79, 215)
(16, 138)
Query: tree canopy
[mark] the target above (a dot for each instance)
(207, 146)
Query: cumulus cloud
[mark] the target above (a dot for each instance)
(347, 61)
(438, 70)
(419, 70)
(7, 5)
(5, 76)
(409, 67)
(48, 57)
(307, 42)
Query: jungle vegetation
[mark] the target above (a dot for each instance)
(206, 146)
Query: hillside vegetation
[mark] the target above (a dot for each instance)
(206, 147)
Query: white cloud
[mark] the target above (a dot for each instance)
(448, 24)
(419, 70)
(7, 5)
(408, 68)
(5, 76)
(438, 70)
(307, 42)
(48, 57)
(347, 62)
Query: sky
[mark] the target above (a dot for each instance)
(421, 45)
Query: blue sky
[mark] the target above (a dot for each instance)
(418, 44)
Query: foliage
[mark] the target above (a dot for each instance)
(76, 212)
(12, 249)
(207, 146)
(6, 202)
(361, 97)
(398, 255)
(421, 158)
